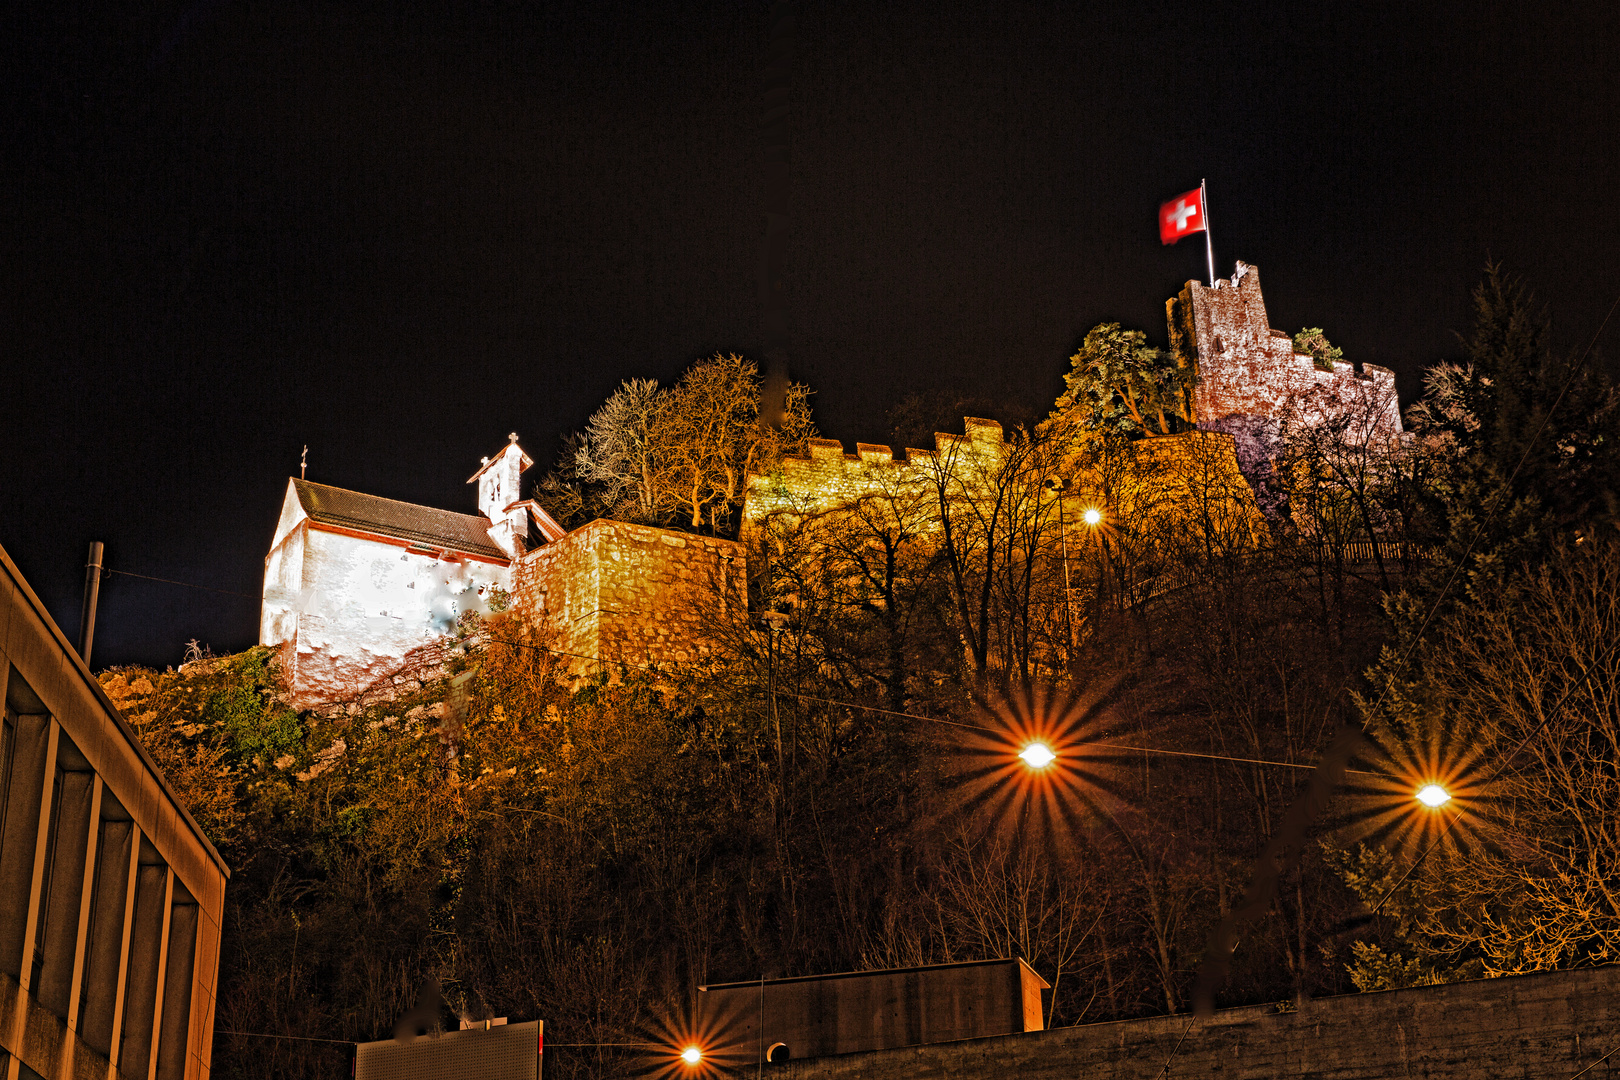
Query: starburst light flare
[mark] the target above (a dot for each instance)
(1433, 795)
(1029, 762)
(682, 1048)
(1037, 755)
(1425, 777)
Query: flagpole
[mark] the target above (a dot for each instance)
(1209, 246)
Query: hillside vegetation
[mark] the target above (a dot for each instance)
(838, 789)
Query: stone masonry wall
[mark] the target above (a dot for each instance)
(1248, 370)
(1192, 478)
(1551, 1024)
(613, 592)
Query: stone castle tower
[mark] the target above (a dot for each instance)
(1249, 371)
(1253, 385)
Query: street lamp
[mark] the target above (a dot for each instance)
(775, 622)
(692, 1055)
(1093, 516)
(1061, 486)
(1433, 796)
(1037, 755)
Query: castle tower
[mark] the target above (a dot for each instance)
(1250, 377)
(498, 496)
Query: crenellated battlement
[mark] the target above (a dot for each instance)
(828, 476)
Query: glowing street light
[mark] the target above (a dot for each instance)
(1093, 516)
(1433, 795)
(1038, 755)
(691, 1055)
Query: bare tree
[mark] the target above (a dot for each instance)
(621, 449)
(997, 897)
(688, 451)
(713, 437)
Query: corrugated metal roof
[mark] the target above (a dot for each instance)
(466, 533)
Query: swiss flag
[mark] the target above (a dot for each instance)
(1182, 216)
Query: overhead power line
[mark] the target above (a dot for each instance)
(182, 584)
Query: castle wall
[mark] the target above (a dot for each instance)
(614, 592)
(827, 477)
(1192, 481)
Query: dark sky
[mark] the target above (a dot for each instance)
(397, 231)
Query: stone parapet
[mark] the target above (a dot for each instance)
(827, 477)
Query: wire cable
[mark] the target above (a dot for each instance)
(1596, 1063)
(295, 1038)
(183, 584)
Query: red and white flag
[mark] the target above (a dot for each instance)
(1182, 216)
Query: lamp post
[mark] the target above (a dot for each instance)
(775, 622)
(1061, 486)
(1093, 517)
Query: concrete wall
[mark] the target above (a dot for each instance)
(869, 1010)
(353, 610)
(1530, 1026)
(612, 592)
(110, 895)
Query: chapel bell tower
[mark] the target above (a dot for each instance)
(499, 499)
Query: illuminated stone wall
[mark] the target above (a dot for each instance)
(827, 477)
(1193, 473)
(613, 592)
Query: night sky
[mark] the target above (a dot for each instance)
(396, 231)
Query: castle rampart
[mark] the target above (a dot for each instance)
(826, 477)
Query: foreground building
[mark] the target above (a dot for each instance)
(110, 895)
(771, 1021)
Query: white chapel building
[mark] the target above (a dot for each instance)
(356, 585)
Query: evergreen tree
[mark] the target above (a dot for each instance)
(1121, 385)
(1521, 439)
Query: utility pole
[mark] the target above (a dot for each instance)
(92, 589)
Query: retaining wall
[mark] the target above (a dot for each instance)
(1551, 1024)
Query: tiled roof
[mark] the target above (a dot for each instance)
(466, 533)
